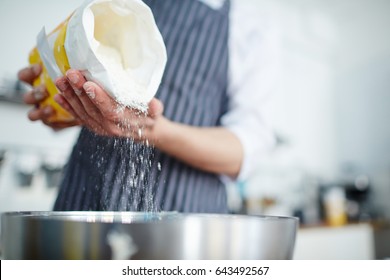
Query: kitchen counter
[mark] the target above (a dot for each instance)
(354, 241)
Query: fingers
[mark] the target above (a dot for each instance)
(103, 102)
(75, 107)
(56, 126)
(35, 96)
(38, 94)
(64, 104)
(74, 99)
(29, 74)
(77, 81)
(41, 113)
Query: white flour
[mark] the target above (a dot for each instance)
(126, 89)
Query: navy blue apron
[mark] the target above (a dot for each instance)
(111, 174)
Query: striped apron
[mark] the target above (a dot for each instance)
(117, 174)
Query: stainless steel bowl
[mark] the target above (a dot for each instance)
(141, 235)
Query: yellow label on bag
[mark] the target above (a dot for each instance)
(59, 50)
(61, 115)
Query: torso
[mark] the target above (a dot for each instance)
(120, 175)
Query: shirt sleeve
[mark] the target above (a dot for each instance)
(254, 64)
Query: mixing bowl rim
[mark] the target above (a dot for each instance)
(58, 215)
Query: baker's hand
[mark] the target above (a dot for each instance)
(37, 95)
(100, 113)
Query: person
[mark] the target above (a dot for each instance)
(203, 129)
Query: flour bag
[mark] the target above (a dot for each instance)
(115, 43)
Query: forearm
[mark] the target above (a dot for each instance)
(212, 149)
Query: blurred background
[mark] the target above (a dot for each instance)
(330, 112)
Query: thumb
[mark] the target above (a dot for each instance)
(156, 108)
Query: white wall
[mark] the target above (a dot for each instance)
(20, 22)
(335, 94)
(333, 104)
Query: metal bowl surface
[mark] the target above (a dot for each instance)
(144, 235)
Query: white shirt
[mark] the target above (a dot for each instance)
(253, 73)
